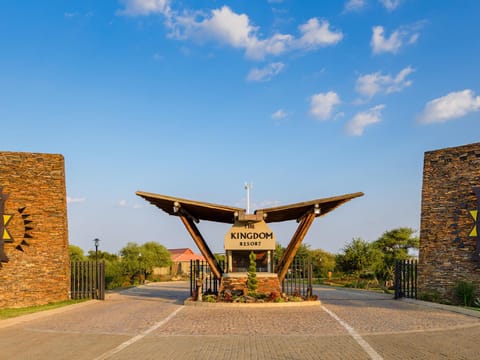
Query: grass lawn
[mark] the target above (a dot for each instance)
(13, 312)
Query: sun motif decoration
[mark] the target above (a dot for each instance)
(5, 235)
(474, 214)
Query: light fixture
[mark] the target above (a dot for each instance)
(176, 207)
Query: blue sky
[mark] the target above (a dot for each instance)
(305, 99)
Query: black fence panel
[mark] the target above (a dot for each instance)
(299, 278)
(200, 271)
(406, 279)
(87, 280)
(298, 281)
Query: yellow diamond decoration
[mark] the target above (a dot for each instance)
(474, 214)
(6, 235)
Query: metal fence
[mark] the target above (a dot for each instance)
(297, 282)
(299, 278)
(199, 269)
(406, 282)
(87, 280)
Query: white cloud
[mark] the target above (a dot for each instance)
(122, 203)
(361, 120)
(322, 104)
(390, 5)
(236, 30)
(316, 34)
(71, 200)
(266, 73)
(279, 114)
(354, 5)
(450, 106)
(144, 7)
(370, 84)
(406, 35)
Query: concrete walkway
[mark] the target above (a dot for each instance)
(150, 322)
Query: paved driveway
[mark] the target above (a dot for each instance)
(149, 322)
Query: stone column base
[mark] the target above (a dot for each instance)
(266, 282)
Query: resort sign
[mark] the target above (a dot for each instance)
(248, 235)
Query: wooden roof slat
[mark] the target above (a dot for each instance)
(225, 214)
(198, 209)
(297, 210)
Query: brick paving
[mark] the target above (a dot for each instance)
(393, 329)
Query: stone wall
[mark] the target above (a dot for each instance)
(34, 245)
(266, 282)
(448, 251)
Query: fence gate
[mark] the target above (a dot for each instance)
(297, 282)
(87, 280)
(406, 279)
(199, 269)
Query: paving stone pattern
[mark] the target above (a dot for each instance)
(394, 329)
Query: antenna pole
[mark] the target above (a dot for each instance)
(248, 187)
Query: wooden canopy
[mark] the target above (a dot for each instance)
(226, 214)
(191, 212)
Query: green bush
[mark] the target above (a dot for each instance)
(432, 296)
(465, 292)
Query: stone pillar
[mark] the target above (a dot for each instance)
(448, 249)
(35, 237)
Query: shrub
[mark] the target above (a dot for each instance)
(465, 292)
(432, 296)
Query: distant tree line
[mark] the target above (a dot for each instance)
(358, 259)
(362, 259)
(131, 266)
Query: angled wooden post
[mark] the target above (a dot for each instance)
(294, 244)
(202, 245)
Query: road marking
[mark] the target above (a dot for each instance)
(365, 346)
(139, 336)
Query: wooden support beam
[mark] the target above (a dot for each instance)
(294, 244)
(201, 244)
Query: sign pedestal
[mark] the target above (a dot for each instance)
(237, 282)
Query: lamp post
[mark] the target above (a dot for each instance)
(96, 241)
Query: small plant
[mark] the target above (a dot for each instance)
(432, 296)
(274, 296)
(252, 274)
(465, 292)
(209, 298)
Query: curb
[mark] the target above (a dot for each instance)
(189, 302)
(43, 313)
(451, 308)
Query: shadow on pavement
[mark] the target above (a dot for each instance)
(169, 292)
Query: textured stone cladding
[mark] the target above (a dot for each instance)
(266, 284)
(38, 268)
(447, 251)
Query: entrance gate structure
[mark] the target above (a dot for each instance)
(249, 233)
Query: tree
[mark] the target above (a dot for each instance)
(76, 253)
(393, 245)
(252, 274)
(154, 255)
(139, 260)
(357, 256)
(278, 252)
(322, 262)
